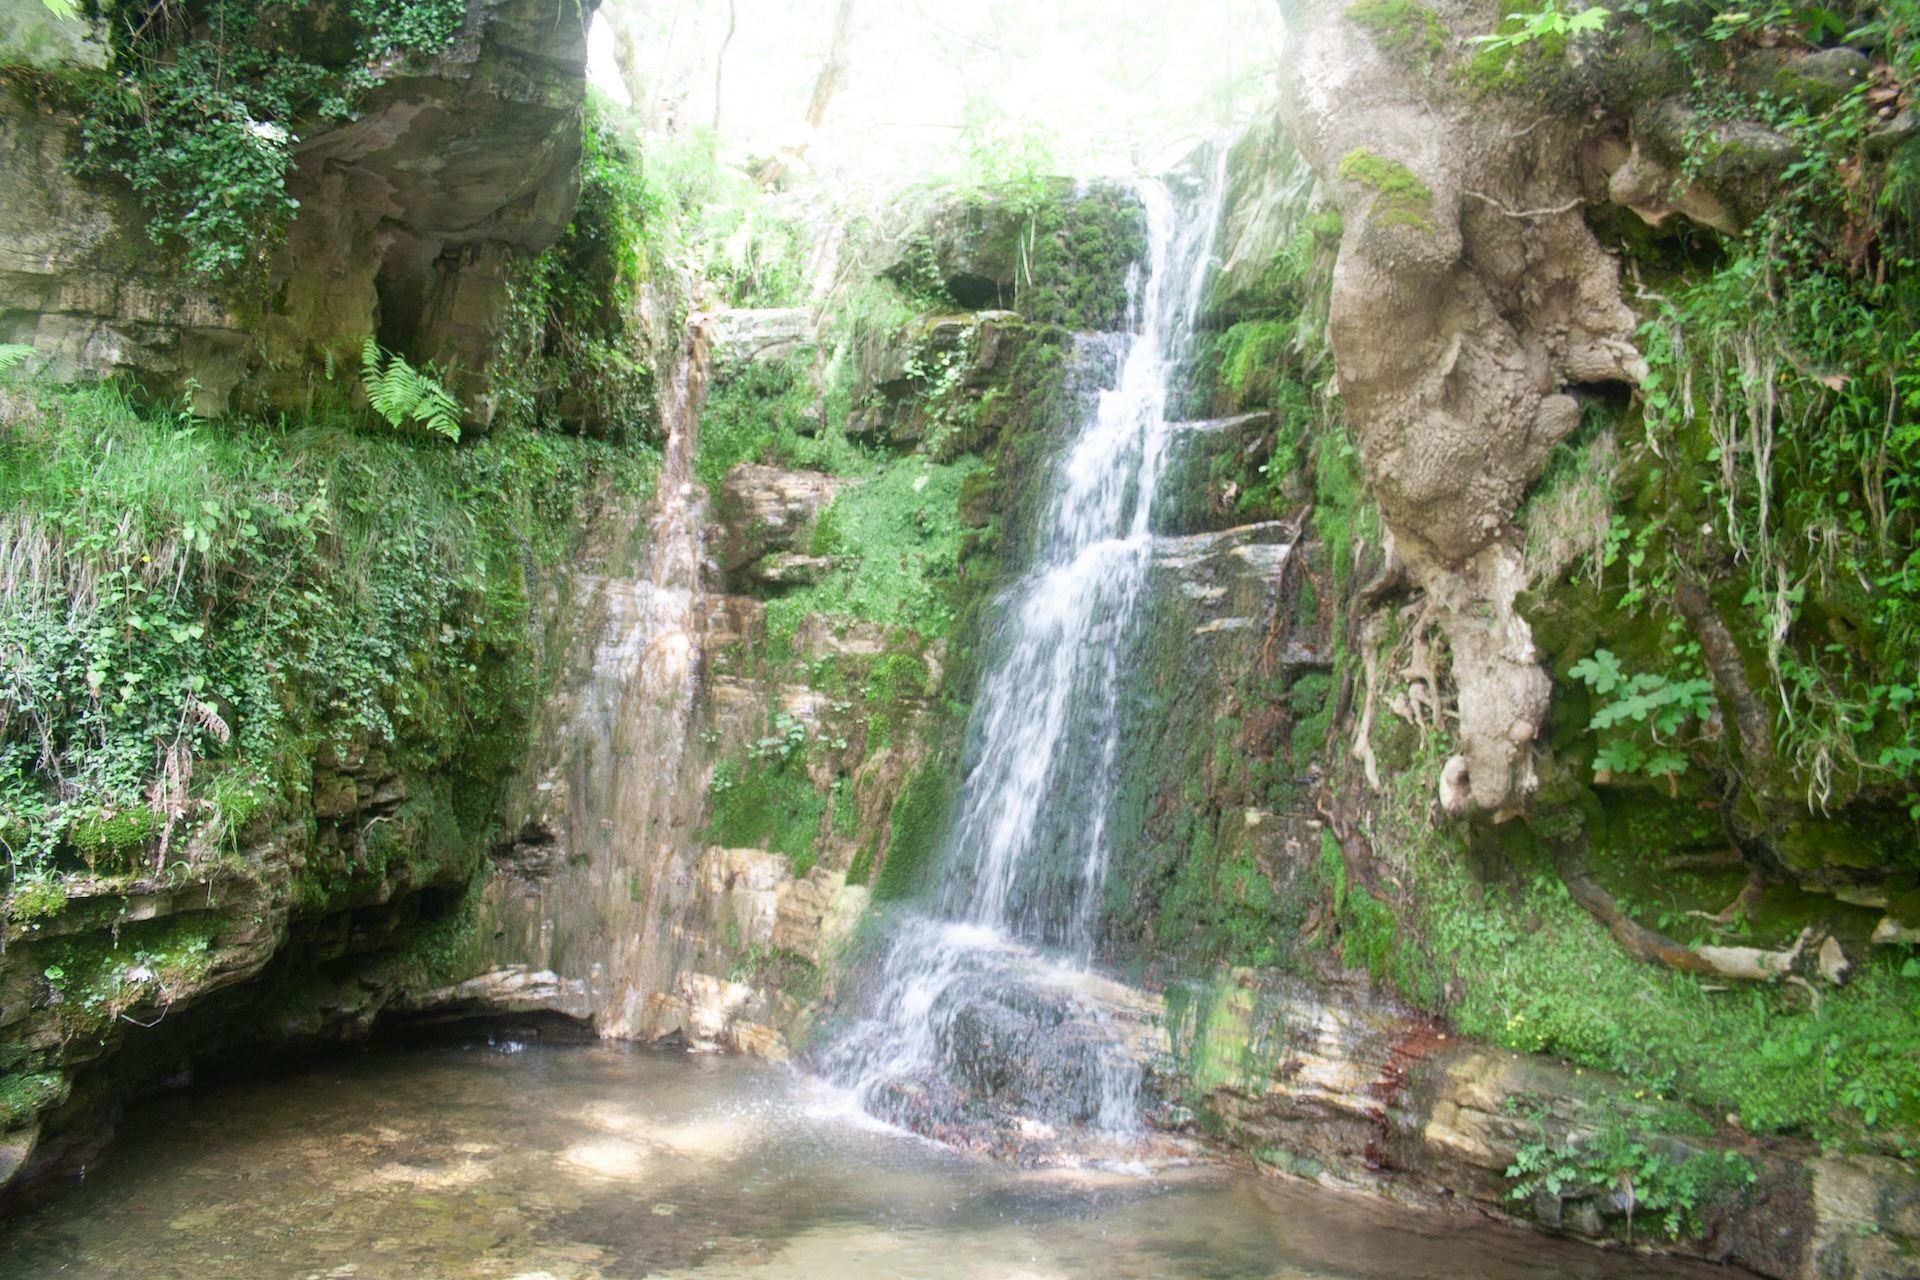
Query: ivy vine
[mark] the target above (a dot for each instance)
(209, 96)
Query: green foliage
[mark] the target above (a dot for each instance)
(1659, 706)
(1622, 1167)
(1550, 20)
(1401, 27)
(1012, 158)
(390, 29)
(201, 117)
(401, 394)
(746, 241)
(1534, 972)
(1782, 393)
(574, 354)
(1401, 199)
(13, 355)
(1367, 928)
(1528, 45)
(209, 600)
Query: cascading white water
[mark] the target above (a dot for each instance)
(968, 1012)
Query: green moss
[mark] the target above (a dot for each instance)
(39, 899)
(1400, 198)
(768, 803)
(750, 414)
(921, 815)
(1528, 65)
(93, 977)
(897, 538)
(1081, 247)
(25, 1095)
(109, 832)
(1400, 27)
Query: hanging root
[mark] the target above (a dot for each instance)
(1362, 868)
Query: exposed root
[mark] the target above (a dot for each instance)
(1743, 905)
(1363, 733)
(1749, 964)
(1355, 853)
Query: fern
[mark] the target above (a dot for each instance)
(399, 392)
(12, 355)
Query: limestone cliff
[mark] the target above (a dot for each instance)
(411, 218)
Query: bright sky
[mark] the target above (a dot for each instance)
(1124, 85)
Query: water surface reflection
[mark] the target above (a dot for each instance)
(576, 1163)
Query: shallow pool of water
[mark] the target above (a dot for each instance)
(571, 1163)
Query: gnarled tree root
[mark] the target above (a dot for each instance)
(1748, 964)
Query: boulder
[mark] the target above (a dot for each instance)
(742, 336)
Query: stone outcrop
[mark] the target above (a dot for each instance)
(767, 518)
(1329, 1082)
(299, 939)
(412, 218)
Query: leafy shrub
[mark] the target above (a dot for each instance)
(200, 120)
(207, 600)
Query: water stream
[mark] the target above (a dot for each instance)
(622, 794)
(606, 1161)
(982, 1004)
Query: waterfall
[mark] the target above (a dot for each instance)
(983, 1003)
(615, 787)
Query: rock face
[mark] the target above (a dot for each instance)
(301, 921)
(1350, 1090)
(296, 942)
(767, 520)
(411, 218)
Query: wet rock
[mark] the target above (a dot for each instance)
(712, 1006)
(816, 913)
(742, 888)
(16, 1147)
(789, 570)
(897, 374)
(1190, 501)
(33, 35)
(1866, 1212)
(1822, 77)
(334, 796)
(512, 989)
(757, 1041)
(819, 636)
(1888, 135)
(766, 512)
